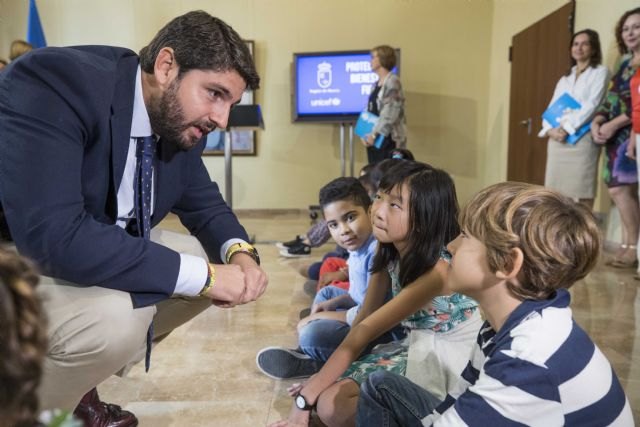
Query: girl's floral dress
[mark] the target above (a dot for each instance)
(441, 314)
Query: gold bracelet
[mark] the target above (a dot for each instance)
(244, 248)
(211, 280)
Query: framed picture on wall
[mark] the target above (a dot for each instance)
(243, 142)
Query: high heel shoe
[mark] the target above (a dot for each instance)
(628, 260)
(618, 255)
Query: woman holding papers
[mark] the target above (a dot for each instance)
(387, 102)
(611, 127)
(572, 158)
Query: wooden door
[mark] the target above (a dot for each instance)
(539, 57)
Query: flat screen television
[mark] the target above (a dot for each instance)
(332, 87)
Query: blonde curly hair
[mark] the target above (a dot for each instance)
(559, 238)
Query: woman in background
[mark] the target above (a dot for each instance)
(387, 102)
(572, 167)
(611, 127)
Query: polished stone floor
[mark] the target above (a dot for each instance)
(204, 373)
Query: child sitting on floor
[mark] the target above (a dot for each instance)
(414, 215)
(331, 270)
(520, 248)
(345, 205)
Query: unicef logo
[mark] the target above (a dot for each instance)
(324, 75)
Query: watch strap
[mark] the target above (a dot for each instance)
(306, 406)
(244, 248)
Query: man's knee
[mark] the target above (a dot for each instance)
(127, 331)
(93, 332)
(109, 334)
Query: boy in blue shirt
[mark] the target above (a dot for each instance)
(345, 206)
(520, 248)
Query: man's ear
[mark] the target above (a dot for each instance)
(517, 259)
(165, 67)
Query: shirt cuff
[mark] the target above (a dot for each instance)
(225, 248)
(192, 276)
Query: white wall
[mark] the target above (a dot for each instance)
(455, 72)
(509, 18)
(444, 72)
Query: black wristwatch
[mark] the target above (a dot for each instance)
(301, 403)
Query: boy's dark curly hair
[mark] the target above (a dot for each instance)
(345, 188)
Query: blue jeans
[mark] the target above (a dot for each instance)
(329, 292)
(319, 338)
(388, 399)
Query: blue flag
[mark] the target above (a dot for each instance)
(35, 35)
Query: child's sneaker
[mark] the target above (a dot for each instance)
(296, 251)
(310, 288)
(282, 363)
(286, 245)
(305, 312)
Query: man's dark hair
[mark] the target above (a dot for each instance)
(346, 188)
(202, 42)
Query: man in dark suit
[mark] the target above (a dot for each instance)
(71, 121)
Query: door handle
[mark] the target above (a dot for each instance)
(527, 123)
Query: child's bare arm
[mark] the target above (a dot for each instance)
(340, 302)
(413, 297)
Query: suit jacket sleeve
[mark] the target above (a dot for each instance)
(56, 179)
(203, 211)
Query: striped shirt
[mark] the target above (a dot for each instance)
(540, 369)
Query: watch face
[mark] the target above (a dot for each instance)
(300, 402)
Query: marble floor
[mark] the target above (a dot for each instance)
(204, 373)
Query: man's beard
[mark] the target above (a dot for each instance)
(167, 119)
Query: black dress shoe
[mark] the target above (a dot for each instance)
(95, 413)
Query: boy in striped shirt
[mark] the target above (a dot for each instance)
(521, 247)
